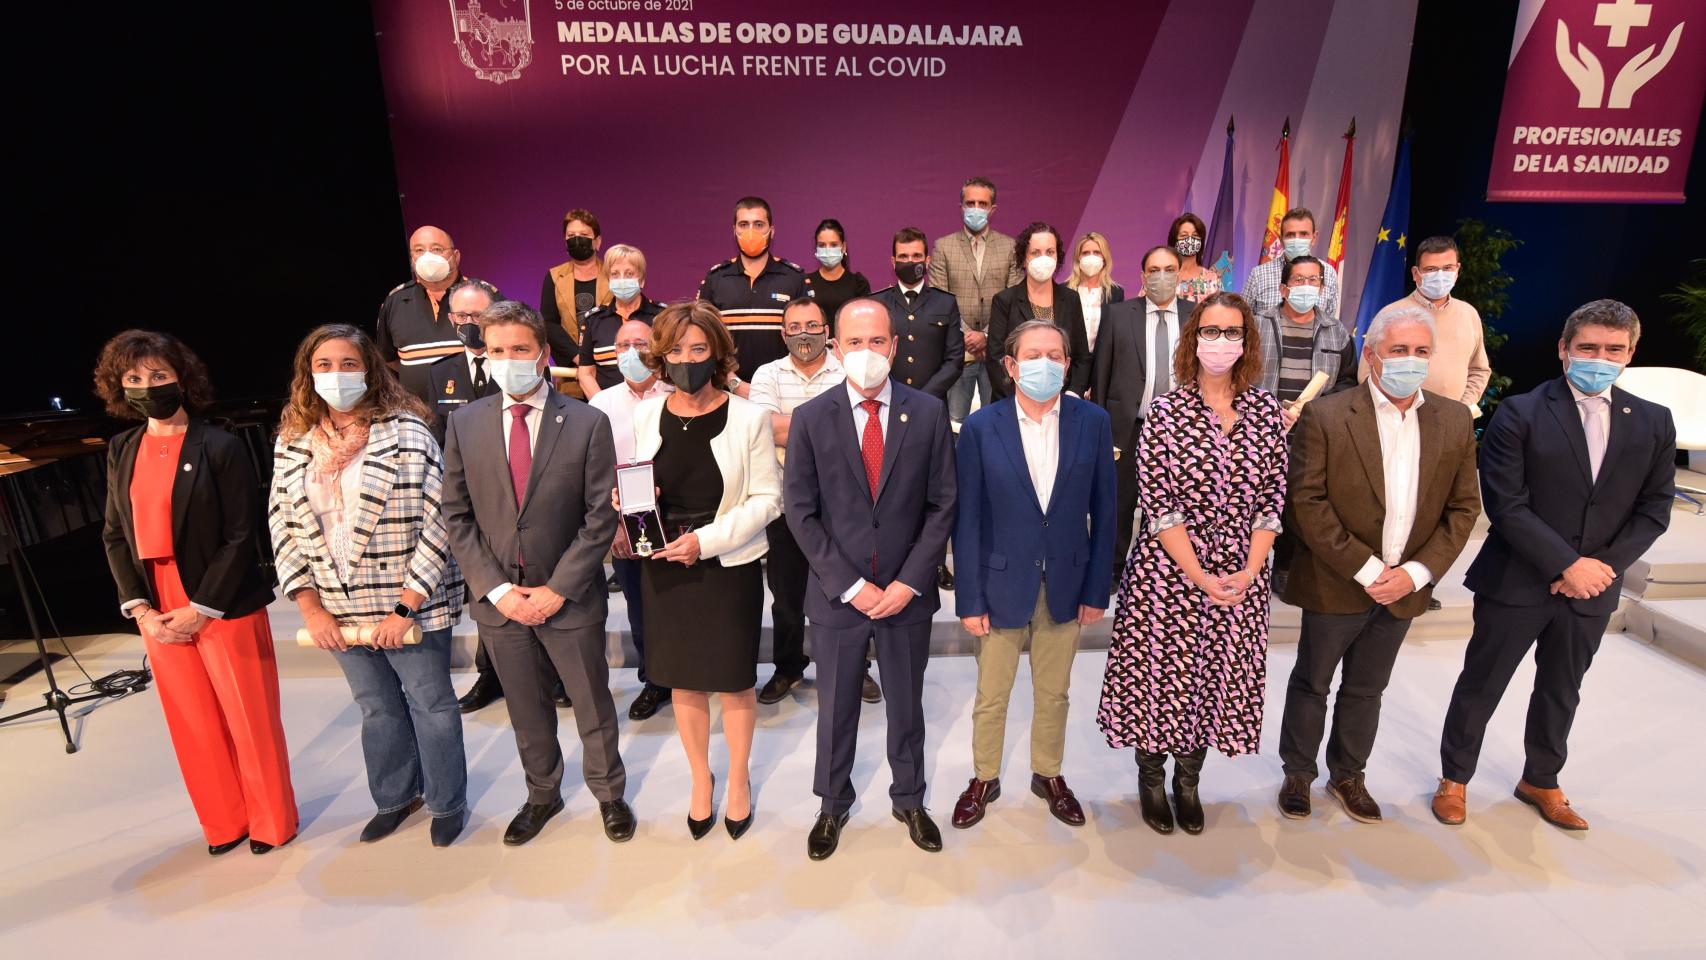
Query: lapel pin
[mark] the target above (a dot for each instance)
(1625, 409)
(559, 418)
(903, 418)
(188, 468)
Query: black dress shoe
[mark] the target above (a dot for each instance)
(384, 824)
(869, 691)
(529, 820)
(618, 820)
(257, 848)
(825, 835)
(778, 687)
(1294, 796)
(559, 696)
(614, 584)
(944, 577)
(485, 691)
(698, 828)
(921, 828)
(649, 702)
(446, 829)
(220, 849)
(1434, 604)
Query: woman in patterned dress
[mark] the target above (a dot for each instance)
(1187, 661)
(1197, 280)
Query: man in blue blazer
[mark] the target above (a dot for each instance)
(1577, 479)
(869, 498)
(1032, 469)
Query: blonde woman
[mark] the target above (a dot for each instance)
(1093, 278)
(625, 274)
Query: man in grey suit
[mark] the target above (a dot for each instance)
(973, 263)
(527, 481)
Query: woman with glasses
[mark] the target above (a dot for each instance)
(625, 275)
(1186, 664)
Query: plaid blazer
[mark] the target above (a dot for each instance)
(397, 542)
(954, 269)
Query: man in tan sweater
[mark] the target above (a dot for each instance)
(1459, 368)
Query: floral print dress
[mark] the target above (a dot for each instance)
(1184, 674)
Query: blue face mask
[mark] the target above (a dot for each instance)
(1401, 377)
(625, 288)
(1592, 376)
(1303, 299)
(1041, 378)
(516, 377)
(830, 256)
(633, 367)
(1297, 246)
(976, 218)
(341, 390)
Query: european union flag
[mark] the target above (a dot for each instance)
(1388, 266)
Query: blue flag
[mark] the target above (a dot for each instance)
(1388, 266)
(1217, 246)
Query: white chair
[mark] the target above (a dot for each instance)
(1684, 392)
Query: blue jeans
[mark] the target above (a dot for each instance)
(628, 575)
(974, 376)
(411, 730)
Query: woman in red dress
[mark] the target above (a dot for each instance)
(183, 540)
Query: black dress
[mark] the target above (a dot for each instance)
(831, 294)
(702, 622)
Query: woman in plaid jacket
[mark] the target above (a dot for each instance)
(359, 541)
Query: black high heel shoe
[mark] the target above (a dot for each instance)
(698, 828)
(257, 848)
(738, 828)
(220, 849)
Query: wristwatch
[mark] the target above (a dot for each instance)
(402, 610)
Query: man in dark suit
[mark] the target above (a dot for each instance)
(1382, 492)
(929, 341)
(528, 475)
(1577, 477)
(870, 494)
(1031, 470)
(1134, 365)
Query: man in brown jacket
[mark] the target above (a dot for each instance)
(1383, 492)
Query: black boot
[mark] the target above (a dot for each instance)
(1152, 780)
(1187, 768)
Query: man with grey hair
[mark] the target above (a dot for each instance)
(1577, 477)
(1382, 492)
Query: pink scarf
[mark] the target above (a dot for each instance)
(333, 451)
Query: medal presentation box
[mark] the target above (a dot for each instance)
(637, 490)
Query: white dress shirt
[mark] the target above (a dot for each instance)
(1158, 382)
(1091, 299)
(618, 403)
(1041, 440)
(535, 401)
(1601, 411)
(1400, 464)
(904, 289)
(859, 418)
(486, 366)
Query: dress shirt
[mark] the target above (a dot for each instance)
(1400, 464)
(1041, 440)
(618, 404)
(859, 417)
(1152, 316)
(904, 289)
(979, 243)
(335, 506)
(1602, 411)
(1091, 299)
(535, 400)
(474, 375)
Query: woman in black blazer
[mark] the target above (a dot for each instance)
(1037, 251)
(1092, 278)
(183, 540)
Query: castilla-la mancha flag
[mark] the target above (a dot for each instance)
(1602, 101)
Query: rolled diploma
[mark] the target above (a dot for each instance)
(358, 636)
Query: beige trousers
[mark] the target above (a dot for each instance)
(1052, 648)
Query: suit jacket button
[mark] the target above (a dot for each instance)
(1039, 563)
(1045, 523)
(910, 317)
(909, 359)
(873, 524)
(911, 337)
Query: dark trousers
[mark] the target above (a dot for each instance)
(1367, 645)
(628, 575)
(1564, 644)
(1125, 502)
(785, 571)
(902, 653)
(577, 654)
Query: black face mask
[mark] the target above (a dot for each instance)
(579, 248)
(690, 377)
(157, 402)
(469, 334)
(909, 272)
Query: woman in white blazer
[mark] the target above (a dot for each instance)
(714, 460)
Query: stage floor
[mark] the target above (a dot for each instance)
(101, 849)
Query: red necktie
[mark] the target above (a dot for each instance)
(520, 452)
(871, 445)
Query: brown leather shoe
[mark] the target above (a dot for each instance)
(1061, 802)
(979, 794)
(1554, 807)
(1294, 797)
(1352, 794)
(1450, 803)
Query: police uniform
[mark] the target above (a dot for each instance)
(752, 309)
(450, 387)
(929, 342)
(415, 335)
(598, 338)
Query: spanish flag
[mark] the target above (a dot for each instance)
(1342, 209)
(1271, 246)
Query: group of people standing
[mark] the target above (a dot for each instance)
(1153, 451)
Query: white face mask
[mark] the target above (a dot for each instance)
(516, 377)
(1041, 268)
(1090, 264)
(431, 267)
(866, 368)
(341, 389)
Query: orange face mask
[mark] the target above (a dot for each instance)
(753, 242)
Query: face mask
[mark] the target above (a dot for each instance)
(633, 366)
(625, 288)
(830, 256)
(1160, 287)
(753, 243)
(158, 402)
(1090, 264)
(1303, 299)
(976, 218)
(516, 377)
(469, 334)
(866, 368)
(1219, 356)
(1041, 378)
(1401, 377)
(691, 377)
(807, 346)
(1592, 376)
(1041, 268)
(431, 267)
(1188, 246)
(341, 390)
(1297, 247)
(579, 247)
(908, 272)
(1437, 285)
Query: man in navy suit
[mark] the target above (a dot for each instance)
(1577, 479)
(1032, 468)
(870, 497)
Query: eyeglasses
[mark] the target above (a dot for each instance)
(1233, 334)
(464, 317)
(639, 345)
(794, 328)
(1430, 271)
(1305, 282)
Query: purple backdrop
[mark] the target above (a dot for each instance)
(1104, 116)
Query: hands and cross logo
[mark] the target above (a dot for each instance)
(1619, 17)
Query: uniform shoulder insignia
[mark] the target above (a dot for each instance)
(878, 293)
(791, 263)
(808, 280)
(397, 288)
